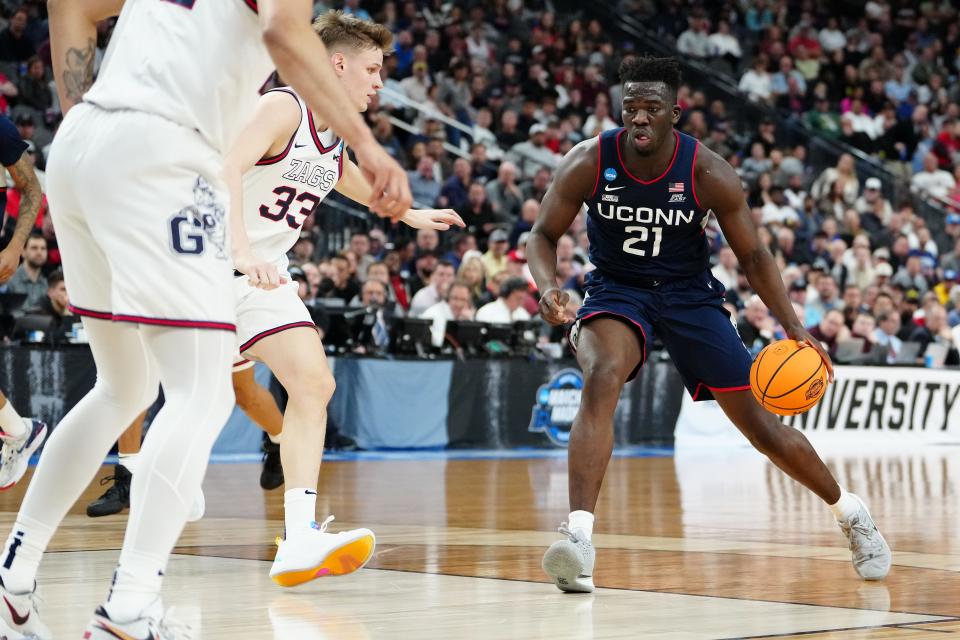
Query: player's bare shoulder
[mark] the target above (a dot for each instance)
(718, 187)
(578, 170)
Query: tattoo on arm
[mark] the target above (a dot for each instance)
(30, 199)
(78, 74)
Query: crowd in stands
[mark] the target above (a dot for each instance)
(507, 87)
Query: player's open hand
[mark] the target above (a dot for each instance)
(439, 219)
(391, 188)
(9, 261)
(804, 339)
(260, 273)
(553, 306)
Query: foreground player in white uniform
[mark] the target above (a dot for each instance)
(285, 162)
(135, 187)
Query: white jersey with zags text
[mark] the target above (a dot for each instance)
(199, 63)
(281, 191)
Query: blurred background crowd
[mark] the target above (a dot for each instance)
(844, 126)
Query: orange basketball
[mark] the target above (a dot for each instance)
(787, 379)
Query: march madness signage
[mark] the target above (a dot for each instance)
(557, 404)
(909, 402)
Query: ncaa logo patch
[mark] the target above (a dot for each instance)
(557, 404)
(609, 174)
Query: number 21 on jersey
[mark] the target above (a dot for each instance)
(644, 234)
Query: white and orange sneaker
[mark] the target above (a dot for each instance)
(316, 554)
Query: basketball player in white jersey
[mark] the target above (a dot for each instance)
(287, 160)
(135, 187)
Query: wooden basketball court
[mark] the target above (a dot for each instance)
(715, 544)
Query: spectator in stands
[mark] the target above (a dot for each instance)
(537, 188)
(56, 303)
(778, 211)
(600, 120)
(944, 287)
(417, 86)
(826, 299)
(454, 191)
(423, 183)
(508, 307)
(756, 82)
(460, 244)
(34, 91)
(888, 324)
(440, 281)
(504, 193)
(823, 119)
(695, 41)
(495, 259)
(863, 327)
(29, 277)
(780, 81)
(844, 174)
(830, 331)
(528, 215)
(471, 273)
(360, 248)
(477, 213)
(757, 326)
(725, 45)
(932, 181)
(344, 287)
(952, 260)
(482, 170)
(726, 268)
(15, 45)
(373, 293)
(458, 305)
(532, 155)
(909, 276)
(935, 330)
(872, 203)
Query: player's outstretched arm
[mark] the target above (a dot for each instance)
(302, 60)
(718, 189)
(25, 179)
(267, 133)
(353, 184)
(73, 44)
(574, 182)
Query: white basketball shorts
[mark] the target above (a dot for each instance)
(262, 313)
(140, 212)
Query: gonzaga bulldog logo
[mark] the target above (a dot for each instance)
(206, 216)
(557, 404)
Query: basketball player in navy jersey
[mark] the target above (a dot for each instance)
(649, 190)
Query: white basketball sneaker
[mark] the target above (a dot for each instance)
(16, 452)
(151, 625)
(315, 553)
(870, 552)
(570, 562)
(20, 616)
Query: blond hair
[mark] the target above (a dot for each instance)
(342, 31)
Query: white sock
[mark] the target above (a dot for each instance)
(11, 423)
(136, 583)
(22, 553)
(582, 520)
(275, 439)
(128, 460)
(845, 507)
(299, 510)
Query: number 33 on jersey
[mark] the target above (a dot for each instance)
(280, 192)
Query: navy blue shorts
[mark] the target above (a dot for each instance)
(688, 317)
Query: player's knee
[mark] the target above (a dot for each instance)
(606, 373)
(314, 387)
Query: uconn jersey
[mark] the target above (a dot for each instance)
(646, 229)
(282, 191)
(199, 63)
